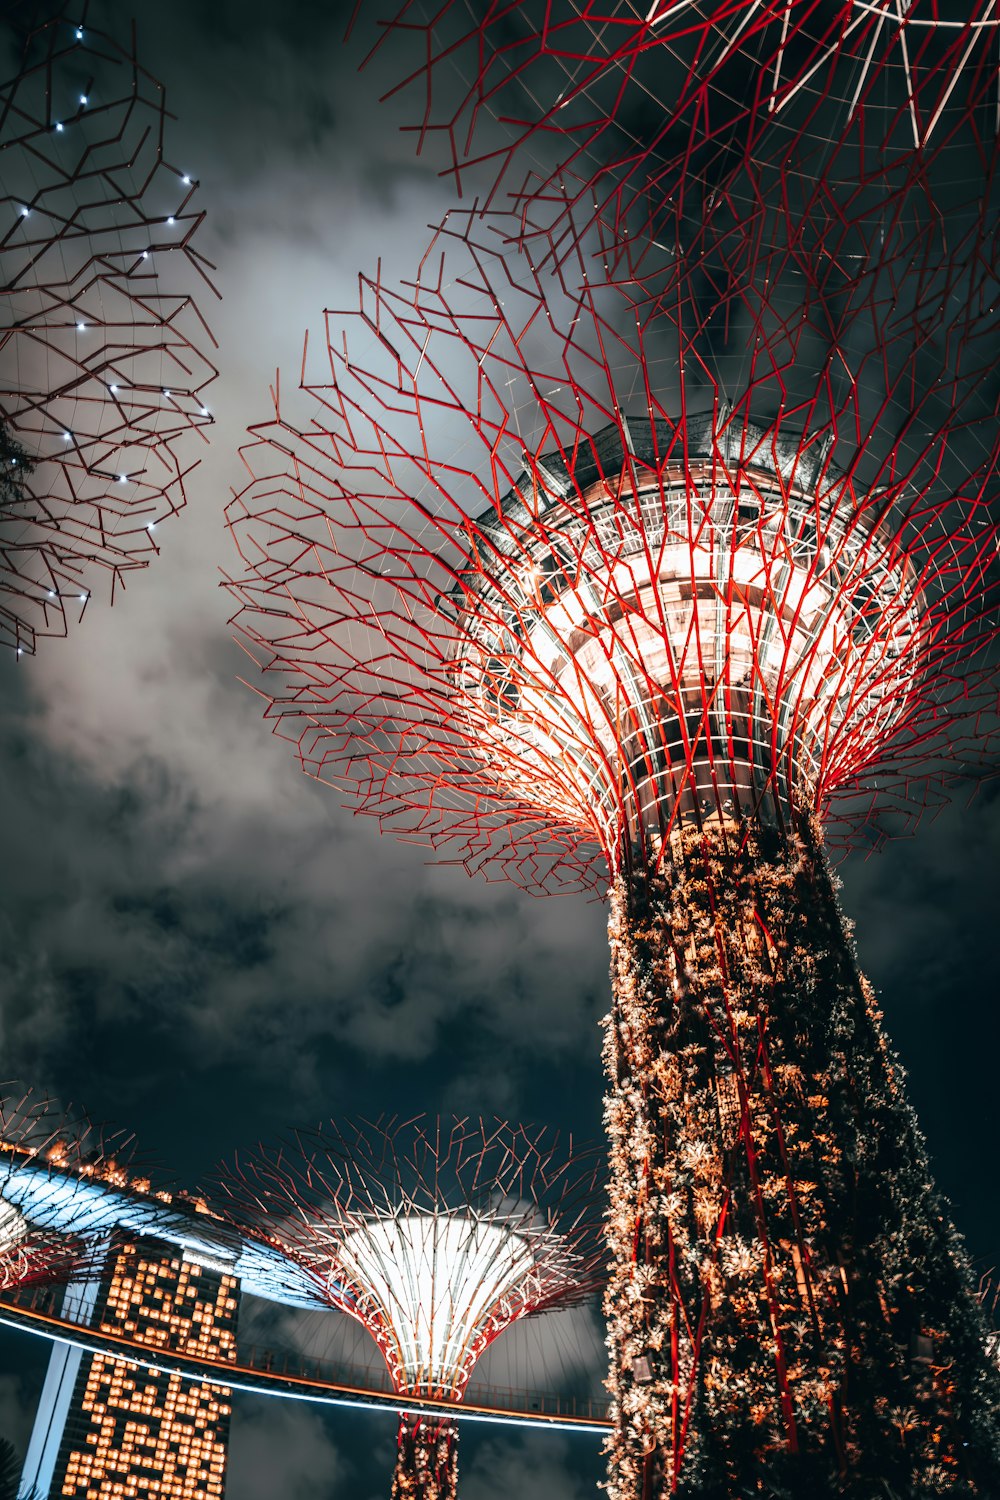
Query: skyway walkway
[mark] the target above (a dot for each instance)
(272, 1373)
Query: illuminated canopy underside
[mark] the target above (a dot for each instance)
(56, 1203)
(13, 1227)
(434, 1290)
(720, 636)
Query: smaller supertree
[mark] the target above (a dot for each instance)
(436, 1237)
(105, 358)
(71, 1152)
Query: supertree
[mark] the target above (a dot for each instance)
(36, 1137)
(105, 357)
(639, 581)
(436, 1236)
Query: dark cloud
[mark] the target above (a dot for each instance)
(260, 929)
(536, 1467)
(284, 1448)
(18, 1398)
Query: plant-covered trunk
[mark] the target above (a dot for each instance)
(790, 1310)
(426, 1459)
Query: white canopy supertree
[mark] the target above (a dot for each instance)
(436, 1237)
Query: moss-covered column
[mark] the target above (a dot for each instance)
(426, 1459)
(790, 1310)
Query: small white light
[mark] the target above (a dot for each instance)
(20, 650)
(80, 327)
(52, 593)
(186, 180)
(167, 394)
(113, 389)
(59, 125)
(145, 255)
(67, 436)
(204, 411)
(79, 33)
(171, 219)
(84, 99)
(150, 525)
(123, 479)
(83, 598)
(25, 212)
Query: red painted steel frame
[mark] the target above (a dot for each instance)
(822, 350)
(633, 98)
(312, 1195)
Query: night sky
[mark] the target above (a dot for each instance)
(198, 943)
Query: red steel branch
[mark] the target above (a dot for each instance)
(811, 400)
(633, 102)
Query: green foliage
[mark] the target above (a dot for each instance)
(790, 1309)
(16, 465)
(10, 1474)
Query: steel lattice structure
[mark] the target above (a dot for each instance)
(637, 99)
(436, 1236)
(33, 1136)
(105, 358)
(601, 560)
(429, 661)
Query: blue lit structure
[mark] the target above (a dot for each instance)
(52, 1198)
(146, 1268)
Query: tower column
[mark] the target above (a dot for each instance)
(788, 1300)
(426, 1459)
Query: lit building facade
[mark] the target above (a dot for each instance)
(107, 1427)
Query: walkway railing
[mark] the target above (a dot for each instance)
(306, 1378)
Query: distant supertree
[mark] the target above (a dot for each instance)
(436, 1236)
(104, 355)
(35, 1135)
(636, 583)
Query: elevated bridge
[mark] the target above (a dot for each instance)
(298, 1377)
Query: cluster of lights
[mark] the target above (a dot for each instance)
(134, 1423)
(780, 587)
(158, 1302)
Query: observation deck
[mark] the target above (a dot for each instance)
(650, 631)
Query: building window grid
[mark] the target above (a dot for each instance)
(174, 1304)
